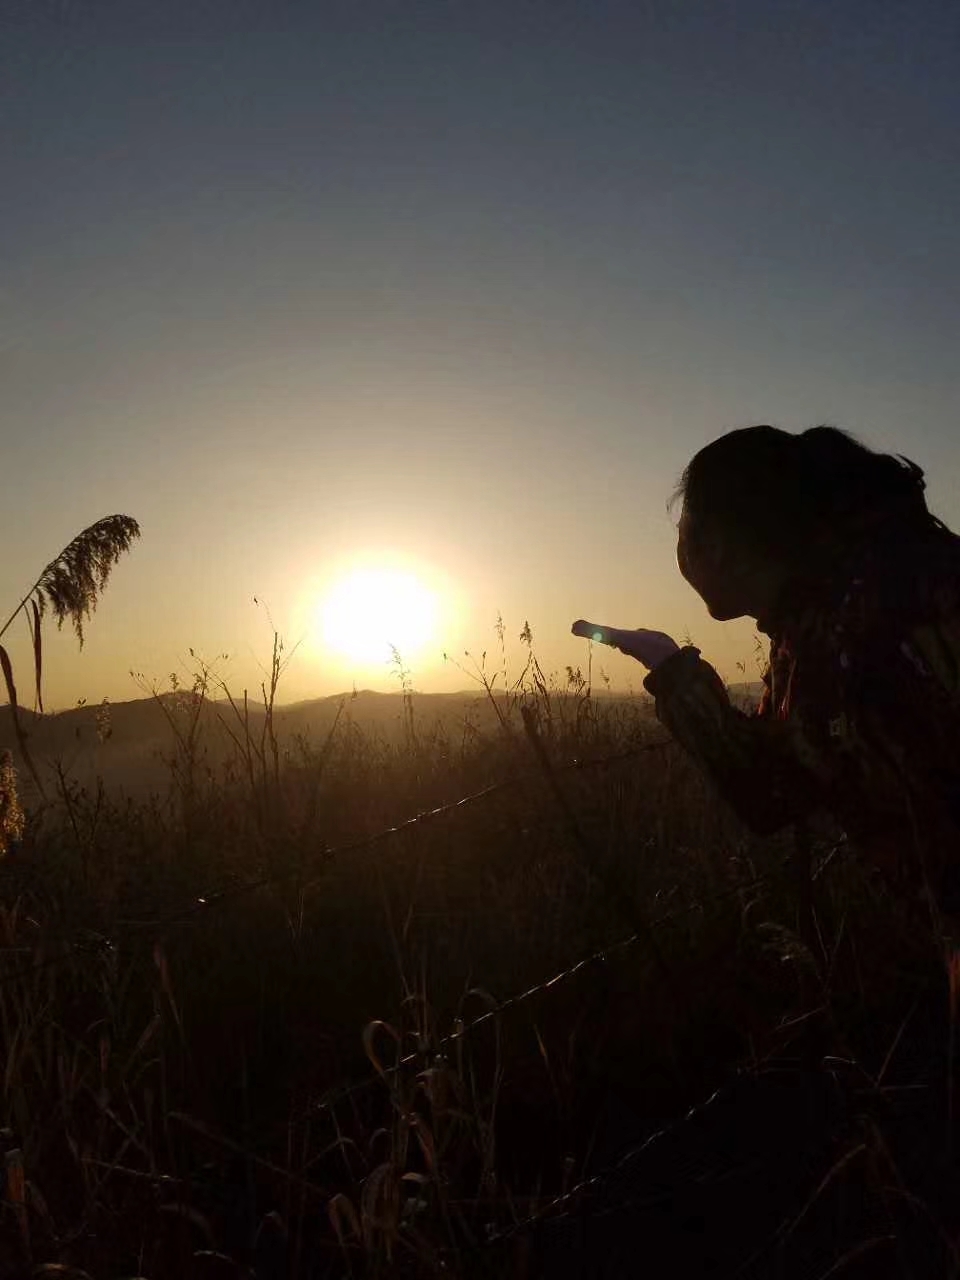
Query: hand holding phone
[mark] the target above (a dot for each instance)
(648, 647)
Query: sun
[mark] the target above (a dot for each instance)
(370, 612)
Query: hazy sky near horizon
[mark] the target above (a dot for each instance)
(456, 287)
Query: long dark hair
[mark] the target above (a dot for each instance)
(787, 493)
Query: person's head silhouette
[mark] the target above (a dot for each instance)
(763, 507)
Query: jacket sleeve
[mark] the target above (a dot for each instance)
(756, 762)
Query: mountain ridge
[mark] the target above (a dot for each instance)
(129, 744)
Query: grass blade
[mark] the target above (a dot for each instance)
(15, 714)
(37, 654)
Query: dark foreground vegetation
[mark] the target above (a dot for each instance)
(246, 1034)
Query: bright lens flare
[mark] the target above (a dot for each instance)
(368, 614)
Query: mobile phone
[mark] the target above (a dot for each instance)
(591, 631)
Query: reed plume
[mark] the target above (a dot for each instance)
(69, 587)
(71, 584)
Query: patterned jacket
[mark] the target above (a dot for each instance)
(860, 714)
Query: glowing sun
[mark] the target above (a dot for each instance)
(370, 612)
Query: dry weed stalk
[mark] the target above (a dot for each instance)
(11, 812)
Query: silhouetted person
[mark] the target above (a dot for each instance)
(831, 548)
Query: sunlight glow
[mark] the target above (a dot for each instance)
(372, 611)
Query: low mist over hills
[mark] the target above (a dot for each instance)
(129, 744)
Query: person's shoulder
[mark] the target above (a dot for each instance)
(929, 574)
(901, 581)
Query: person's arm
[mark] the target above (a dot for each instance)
(755, 761)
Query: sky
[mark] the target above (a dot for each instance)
(451, 290)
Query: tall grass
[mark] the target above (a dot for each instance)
(201, 1078)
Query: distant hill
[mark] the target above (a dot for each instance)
(127, 744)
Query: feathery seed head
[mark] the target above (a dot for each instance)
(72, 583)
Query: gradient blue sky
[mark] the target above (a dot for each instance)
(458, 285)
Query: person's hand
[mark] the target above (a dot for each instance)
(648, 647)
